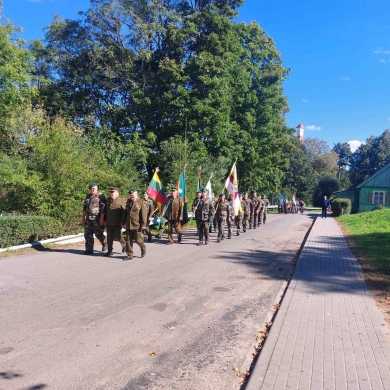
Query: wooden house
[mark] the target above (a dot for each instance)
(373, 191)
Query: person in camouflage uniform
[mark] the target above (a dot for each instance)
(112, 219)
(150, 208)
(229, 221)
(195, 205)
(203, 212)
(259, 208)
(246, 210)
(222, 214)
(254, 204)
(93, 208)
(264, 210)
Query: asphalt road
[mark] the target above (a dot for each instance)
(180, 318)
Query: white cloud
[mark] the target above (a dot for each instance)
(382, 60)
(386, 52)
(305, 100)
(34, 1)
(354, 144)
(378, 51)
(313, 127)
(345, 78)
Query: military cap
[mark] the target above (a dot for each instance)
(221, 194)
(146, 193)
(174, 189)
(112, 189)
(132, 190)
(203, 190)
(92, 185)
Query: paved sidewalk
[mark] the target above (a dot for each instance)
(328, 333)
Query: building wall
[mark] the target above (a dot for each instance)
(367, 197)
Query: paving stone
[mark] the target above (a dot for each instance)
(328, 329)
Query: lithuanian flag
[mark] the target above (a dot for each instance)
(156, 192)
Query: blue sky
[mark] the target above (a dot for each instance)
(338, 52)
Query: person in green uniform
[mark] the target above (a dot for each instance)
(174, 215)
(134, 219)
(150, 208)
(93, 207)
(222, 213)
(112, 218)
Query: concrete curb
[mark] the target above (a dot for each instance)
(62, 240)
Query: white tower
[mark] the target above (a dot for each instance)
(300, 128)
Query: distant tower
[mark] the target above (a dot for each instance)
(300, 128)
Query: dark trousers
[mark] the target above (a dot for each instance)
(91, 228)
(138, 237)
(173, 226)
(114, 233)
(324, 212)
(203, 229)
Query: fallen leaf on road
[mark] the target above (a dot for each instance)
(171, 328)
(153, 354)
(152, 374)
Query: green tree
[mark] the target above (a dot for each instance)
(15, 77)
(299, 177)
(370, 157)
(344, 153)
(326, 187)
(173, 68)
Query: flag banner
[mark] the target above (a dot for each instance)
(208, 188)
(199, 189)
(232, 186)
(156, 192)
(286, 197)
(293, 198)
(182, 189)
(280, 198)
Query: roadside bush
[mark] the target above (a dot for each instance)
(341, 206)
(24, 229)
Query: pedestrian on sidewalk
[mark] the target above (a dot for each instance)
(325, 205)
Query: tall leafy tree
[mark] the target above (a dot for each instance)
(370, 157)
(15, 88)
(164, 68)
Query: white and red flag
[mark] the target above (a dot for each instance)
(232, 186)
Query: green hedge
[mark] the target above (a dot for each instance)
(24, 229)
(341, 206)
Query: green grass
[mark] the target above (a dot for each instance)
(370, 235)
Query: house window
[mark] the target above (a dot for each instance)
(378, 197)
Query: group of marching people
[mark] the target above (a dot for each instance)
(219, 215)
(291, 206)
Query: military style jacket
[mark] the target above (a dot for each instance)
(149, 207)
(245, 207)
(175, 208)
(204, 209)
(94, 206)
(254, 204)
(135, 215)
(265, 204)
(114, 211)
(222, 210)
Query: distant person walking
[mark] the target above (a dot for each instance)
(325, 205)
